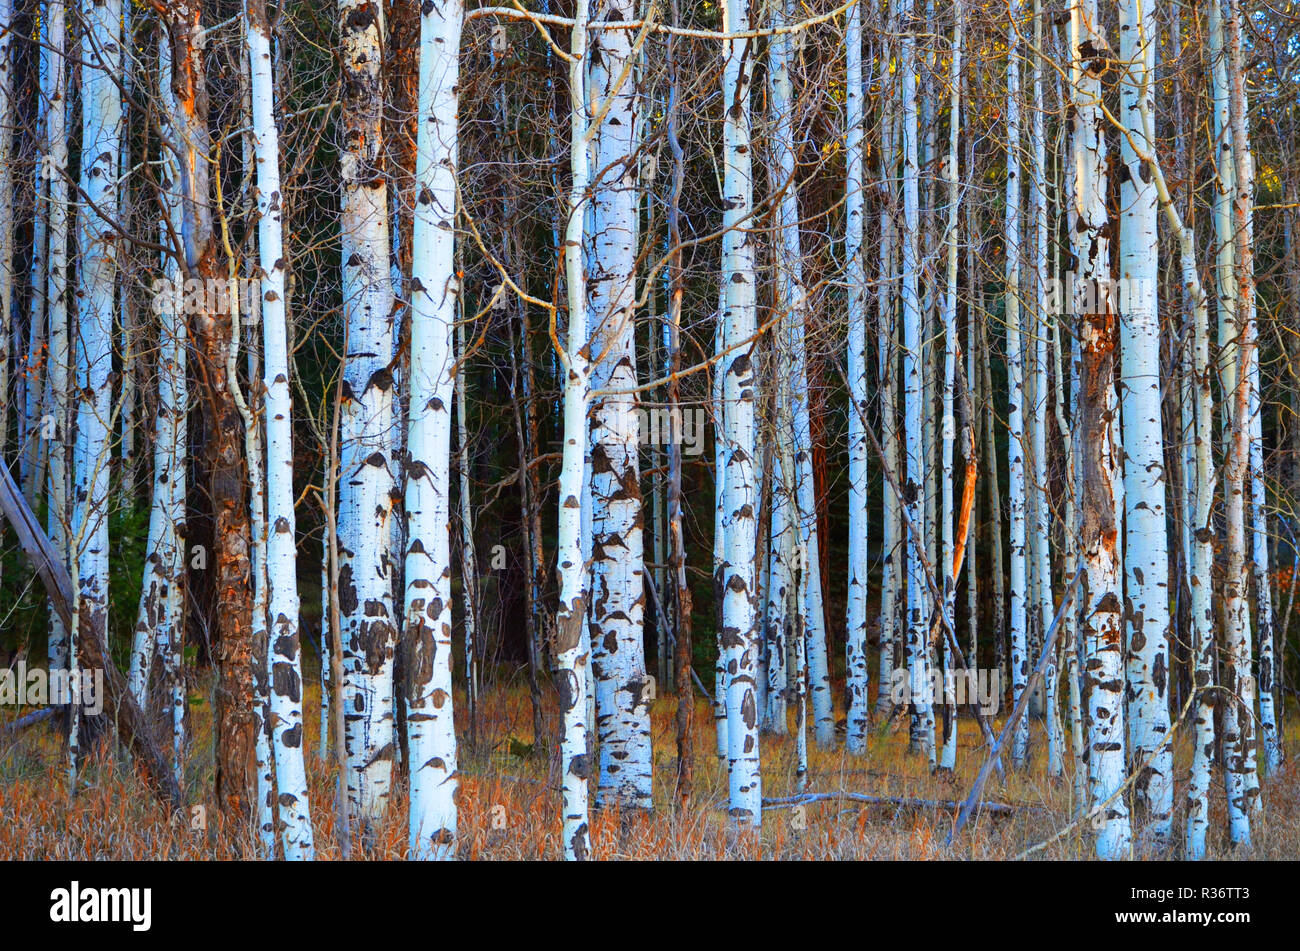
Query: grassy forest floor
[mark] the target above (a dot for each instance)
(510, 801)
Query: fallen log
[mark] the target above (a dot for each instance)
(29, 719)
(907, 802)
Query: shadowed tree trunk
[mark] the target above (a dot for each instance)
(222, 462)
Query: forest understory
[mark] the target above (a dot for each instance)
(509, 797)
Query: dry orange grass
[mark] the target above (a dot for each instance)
(510, 803)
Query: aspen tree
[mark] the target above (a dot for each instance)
(1016, 441)
(948, 759)
(160, 625)
(1097, 413)
(58, 519)
(435, 288)
(793, 370)
(892, 554)
(1239, 749)
(1041, 607)
(1146, 553)
(571, 649)
(918, 606)
(366, 484)
(172, 445)
(283, 666)
(97, 245)
(855, 645)
(617, 602)
(739, 632)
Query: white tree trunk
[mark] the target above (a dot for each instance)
(1042, 607)
(719, 700)
(1146, 553)
(366, 483)
(792, 360)
(1268, 714)
(468, 557)
(101, 54)
(1097, 413)
(948, 433)
(1019, 632)
(1264, 683)
(160, 625)
(171, 450)
(855, 641)
(617, 598)
(57, 295)
(782, 616)
(893, 556)
(1239, 749)
(918, 597)
(435, 288)
(283, 665)
(739, 616)
(571, 650)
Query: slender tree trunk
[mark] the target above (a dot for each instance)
(160, 624)
(1146, 553)
(973, 389)
(435, 287)
(682, 602)
(468, 555)
(1069, 558)
(1042, 606)
(571, 647)
(617, 597)
(886, 327)
(326, 623)
(1019, 632)
(855, 641)
(1244, 163)
(1097, 414)
(918, 606)
(35, 361)
(101, 52)
(124, 490)
(283, 665)
(949, 433)
(791, 305)
(719, 701)
(995, 509)
(245, 331)
(58, 433)
(224, 463)
(1239, 749)
(739, 632)
(171, 450)
(366, 486)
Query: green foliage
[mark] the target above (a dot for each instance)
(128, 531)
(23, 612)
